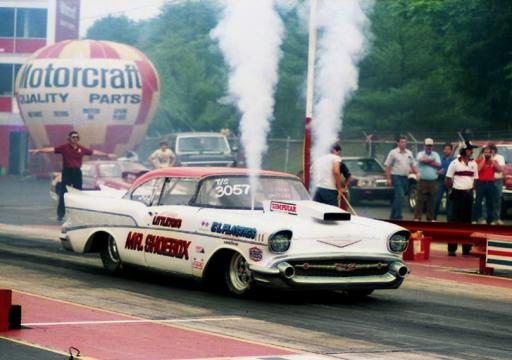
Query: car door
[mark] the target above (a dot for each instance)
(171, 227)
(132, 242)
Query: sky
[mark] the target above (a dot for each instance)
(92, 10)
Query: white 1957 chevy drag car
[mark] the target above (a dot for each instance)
(235, 229)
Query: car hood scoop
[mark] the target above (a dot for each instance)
(306, 209)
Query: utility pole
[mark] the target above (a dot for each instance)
(309, 93)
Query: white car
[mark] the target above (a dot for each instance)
(235, 231)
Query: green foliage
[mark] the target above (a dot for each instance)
(290, 101)
(432, 64)
(436, 65)
(115, 28)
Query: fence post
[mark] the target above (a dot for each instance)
(287, 154)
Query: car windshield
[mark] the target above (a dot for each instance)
(110, 170)
(362, 166)
(201, 144)
(506, 151)
(236, 192)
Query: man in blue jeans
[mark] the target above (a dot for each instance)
(446, 160)
(399, 163)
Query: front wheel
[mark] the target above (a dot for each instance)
(237, 276)
(110, 256)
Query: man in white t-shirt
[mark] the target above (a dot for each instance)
(163, 157)
(327, 175)
(460, 177)
(498, 182)
(399, 163)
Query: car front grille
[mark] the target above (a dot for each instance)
(380, 183)
(339, 268)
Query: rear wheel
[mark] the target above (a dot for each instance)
(237, 276)
(110, 256)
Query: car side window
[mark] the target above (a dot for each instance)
(87, 170)
(149, 192)
(179, 191)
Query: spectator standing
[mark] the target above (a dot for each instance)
(162, 157)
(346, 185)
(446, 160)
(460, 177)
(72, 155)
(428, 164)
(498, 182)
(399, 163)
(485, 186)
(328, 177)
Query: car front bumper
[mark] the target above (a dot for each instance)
(371, 193)
(507, 195)
(328, 273)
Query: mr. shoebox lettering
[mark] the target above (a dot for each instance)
(160, 245)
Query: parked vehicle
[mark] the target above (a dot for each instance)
(215, 224)
(202, 149)
(369, 181)
(112, 173)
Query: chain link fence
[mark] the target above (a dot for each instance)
(286, 154)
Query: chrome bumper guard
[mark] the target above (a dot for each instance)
(283, 274)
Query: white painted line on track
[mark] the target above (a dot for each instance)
(138, 321)
(303, 356)
(345, 356)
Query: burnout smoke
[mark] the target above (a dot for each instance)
(249, 35)
(341, 44)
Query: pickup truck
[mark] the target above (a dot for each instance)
(202, 149)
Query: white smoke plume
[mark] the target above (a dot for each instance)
(249, 35)
(341, 44)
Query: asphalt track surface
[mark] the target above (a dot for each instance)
(439, 312)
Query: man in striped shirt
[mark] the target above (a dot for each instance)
(460, 177)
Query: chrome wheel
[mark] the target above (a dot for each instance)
(238, 276)
(112, 250)
(110, 256)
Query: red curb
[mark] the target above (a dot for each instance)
(123, 341)
(459, 268)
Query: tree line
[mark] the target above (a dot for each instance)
(430, 64)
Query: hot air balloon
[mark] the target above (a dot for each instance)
(106, 91)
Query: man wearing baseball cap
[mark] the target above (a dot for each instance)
(428, 163)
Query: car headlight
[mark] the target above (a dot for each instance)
(280, 241)
(364, 182)
(508, 182)
(397, 243)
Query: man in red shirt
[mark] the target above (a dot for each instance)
(72, 155)
(485, 186)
